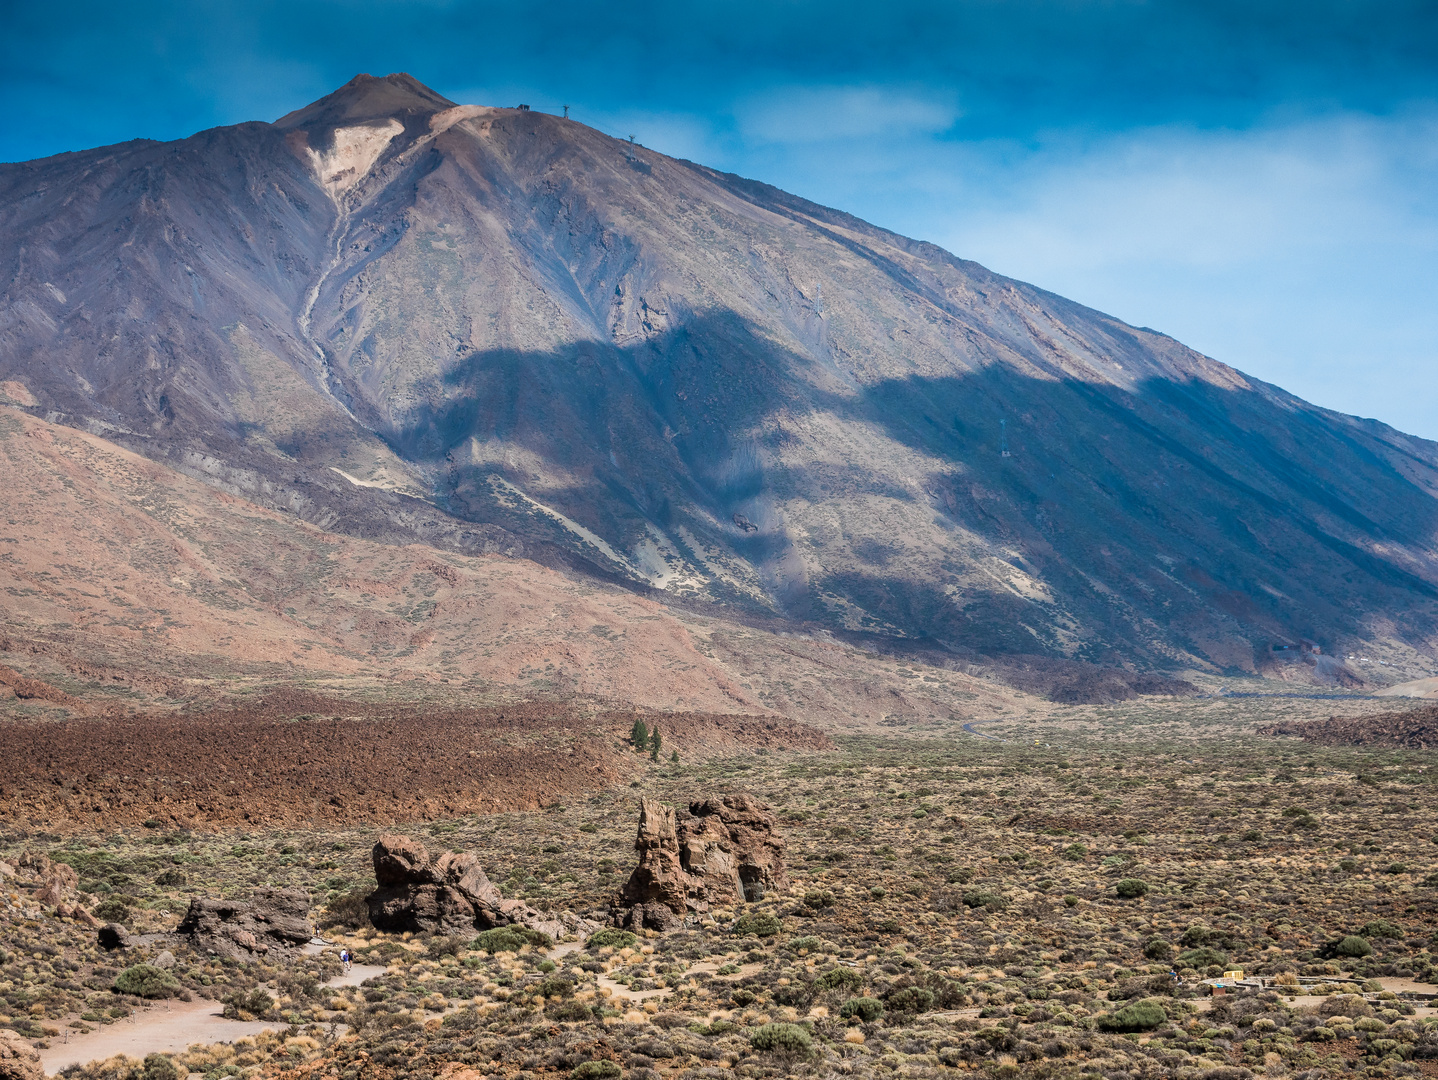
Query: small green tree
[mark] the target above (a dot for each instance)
(674, 757)
(655, 742)
(639, 736)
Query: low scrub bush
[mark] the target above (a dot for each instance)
(610, 938)
(1202, 958)
(757, 924)
(146, 981)
(989, 901)
(866, 1009)
(840, 978)
(782, 1038)
(1158, 949)
(1140, 1016)
(512, 939)
(1132, 888)
(596, 1070)
(1353, 946)
(911, 999)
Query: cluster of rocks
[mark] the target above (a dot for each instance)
(54, 885)
(272, 921)
(449, 893)
(726, 851)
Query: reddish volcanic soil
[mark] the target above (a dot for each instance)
(302, 758)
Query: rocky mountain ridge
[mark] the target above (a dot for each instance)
(497, 330)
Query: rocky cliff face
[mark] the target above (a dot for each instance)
(500, 330)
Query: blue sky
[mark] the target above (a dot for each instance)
(1258, 179)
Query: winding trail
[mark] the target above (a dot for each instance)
(172, 1027)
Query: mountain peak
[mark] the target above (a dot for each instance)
(368, 97)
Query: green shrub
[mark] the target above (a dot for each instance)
(241, 1006)
(1158, 949)
(569, 1012)
(976, 898)
(1353, 945)
(554, 986)
(596, 1070)
(1202, 958)
(911, 999)
(158, 1067)
(511, 939)
(960, 876)
(840, 978)
(610, 938)
(1381, 928)
(171, 876)
(1140, 1016)
(1076, 852)
(808, 943)
(1071, 900)
(111, 909)
(782, 1038)
(146, 981)
(818, 898)
(757, 924)
(1252, 836)
(866, 1009)
(1132, 888)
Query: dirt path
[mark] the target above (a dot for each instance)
(172, 1027)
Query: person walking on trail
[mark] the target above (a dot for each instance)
(345, 960)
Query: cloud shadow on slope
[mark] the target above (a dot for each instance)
(1180, 516)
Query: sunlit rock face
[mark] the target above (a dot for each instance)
(497, 329)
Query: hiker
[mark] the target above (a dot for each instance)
(345, 960)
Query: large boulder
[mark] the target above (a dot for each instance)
(271, 921)
(448, 893)
(18, 1059)
(725, 851)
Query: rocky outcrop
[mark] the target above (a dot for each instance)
(725, 851)
(55, 883)
(18, 1059)
(271, 921)
(448, 894)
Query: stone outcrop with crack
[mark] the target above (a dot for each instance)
(271, 921)
(449, 894)
(725, 851)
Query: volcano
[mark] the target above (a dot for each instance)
(492, 329)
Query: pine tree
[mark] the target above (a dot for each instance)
(639, 736)
(655, 742)
(674, 757)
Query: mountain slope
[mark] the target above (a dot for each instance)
(501, 330)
